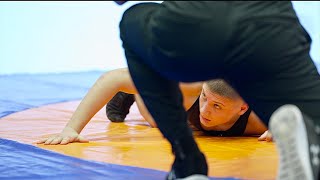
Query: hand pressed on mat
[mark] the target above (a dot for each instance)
(266, 136)
(68, 135)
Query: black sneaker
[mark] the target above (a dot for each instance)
(188, 167)
(118, 107)
(297, 140)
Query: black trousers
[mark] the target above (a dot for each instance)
(259, 47)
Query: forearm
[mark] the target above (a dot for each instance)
(98, 96)
(255, 126)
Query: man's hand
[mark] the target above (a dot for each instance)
(120, 2)
(266, 136)
(68, 135)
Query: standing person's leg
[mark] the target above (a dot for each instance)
(161, 94)
(171, 122)
(277, 71)
(268, 62)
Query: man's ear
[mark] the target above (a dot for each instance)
(243, 109)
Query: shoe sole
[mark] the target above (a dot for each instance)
(289, 133)
(195, 177)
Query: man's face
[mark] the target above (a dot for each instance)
(218, 112)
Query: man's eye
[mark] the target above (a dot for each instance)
(217, 106)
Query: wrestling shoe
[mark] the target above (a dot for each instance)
(297, 141)
(118, 107)
(188, 167)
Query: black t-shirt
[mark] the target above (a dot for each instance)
(236, 130)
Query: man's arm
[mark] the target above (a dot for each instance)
(255, 126)
(100, 93)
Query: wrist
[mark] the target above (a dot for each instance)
(68, 128)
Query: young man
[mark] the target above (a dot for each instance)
(213, 107)
(232, 109)
(259, 47)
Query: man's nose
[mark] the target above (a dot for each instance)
(205, 110)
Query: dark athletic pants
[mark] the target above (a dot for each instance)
(259, 47)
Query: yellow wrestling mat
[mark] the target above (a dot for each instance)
(134, 143)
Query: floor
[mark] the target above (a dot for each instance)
(134, 143)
